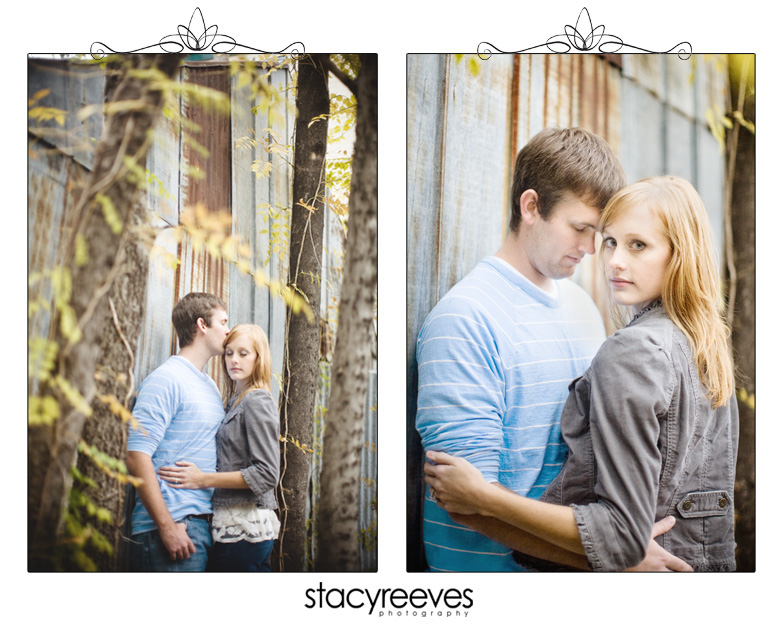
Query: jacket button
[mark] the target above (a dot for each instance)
(687, 505)
(722, 502)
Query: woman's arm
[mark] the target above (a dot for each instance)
(262, 432)
(538, 529)
(461, 489)
(521, 541)
(188, 476)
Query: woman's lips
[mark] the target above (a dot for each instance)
(616, 282)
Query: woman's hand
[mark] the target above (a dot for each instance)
(183, 475)
(456, 485)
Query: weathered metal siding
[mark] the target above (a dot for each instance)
(463, 133)
(457, 154)
(221, 181)
(57, 166)
(250, 195)
(457, 163)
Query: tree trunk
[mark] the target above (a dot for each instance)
(743, 332)
(300, 361)
(338, 529)
(52, 450)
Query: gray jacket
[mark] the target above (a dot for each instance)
(644, 443)
(248, 441)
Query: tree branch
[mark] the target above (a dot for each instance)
(344, 78)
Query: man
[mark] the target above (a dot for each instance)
(497, 353)
(178, 409)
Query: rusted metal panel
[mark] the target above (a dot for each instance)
(213, 133)
(598, 87)
(241, 289)
(199, 271)
(559, 96)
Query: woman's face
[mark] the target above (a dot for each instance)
(636, 254)
(240, 359)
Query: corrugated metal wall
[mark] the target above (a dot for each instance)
(463, 132)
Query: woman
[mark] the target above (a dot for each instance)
(244, 524)
(652, 425)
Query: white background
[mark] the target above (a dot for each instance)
(392, 30)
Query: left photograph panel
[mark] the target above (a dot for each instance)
(202, 318)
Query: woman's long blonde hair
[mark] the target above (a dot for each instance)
(691, 293)
(261, 375)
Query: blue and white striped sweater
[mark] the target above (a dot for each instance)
(495, 358)
(179, 410)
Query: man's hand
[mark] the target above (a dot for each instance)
(657, 559)
(176, 540)
(174, 535)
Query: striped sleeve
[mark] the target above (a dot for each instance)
(156, 404)
(460, 398)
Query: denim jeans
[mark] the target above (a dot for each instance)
(149, 554)
(242, 556)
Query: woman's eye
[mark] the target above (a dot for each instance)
(638, 245)
(609, 242)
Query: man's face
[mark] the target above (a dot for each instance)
(556, 245)
(217, 331)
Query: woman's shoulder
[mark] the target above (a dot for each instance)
(258, 401)
(637, 362)
(643, 342)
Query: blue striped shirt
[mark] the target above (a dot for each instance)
(179, 410)
(495, 359)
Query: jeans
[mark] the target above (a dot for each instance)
(149, 554)
(242, 556)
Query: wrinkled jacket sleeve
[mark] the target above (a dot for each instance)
(631, 388)
(262, 430)
(460, 394)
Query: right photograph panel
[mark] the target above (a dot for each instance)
(580, 312)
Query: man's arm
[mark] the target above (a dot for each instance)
(174, 535)
(460, 395)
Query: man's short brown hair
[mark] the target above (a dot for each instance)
(190, 308)
(559, 161)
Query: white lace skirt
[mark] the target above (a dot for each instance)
(244, 521)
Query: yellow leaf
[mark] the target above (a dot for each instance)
(81, 253)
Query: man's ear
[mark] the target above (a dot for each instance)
(201, 325)
(529, 206)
